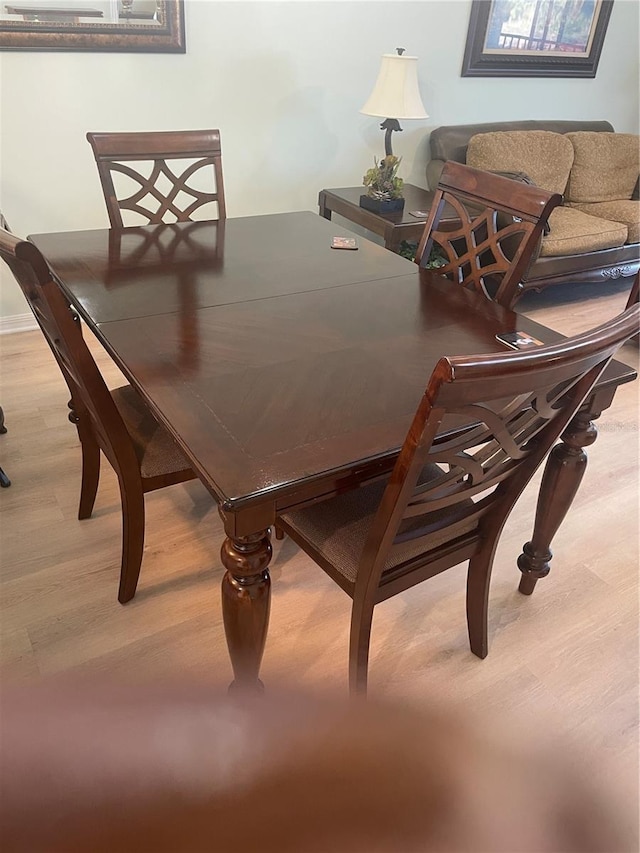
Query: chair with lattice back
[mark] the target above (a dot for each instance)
(178, 173)
(117, 422)
(634, 299)
(5, 482)
(449, 495)
(497, 233)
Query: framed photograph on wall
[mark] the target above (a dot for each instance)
(535, 38)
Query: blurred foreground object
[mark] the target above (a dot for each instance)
(179, 767)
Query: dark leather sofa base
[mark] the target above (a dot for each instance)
(591, 267)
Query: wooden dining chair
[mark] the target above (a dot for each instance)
(634, 299)
(499, 226)
(117, 422)
(450, 494)
(5, 482)
(179, 172)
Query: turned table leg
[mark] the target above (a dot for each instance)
(562, 476)
(246, 600)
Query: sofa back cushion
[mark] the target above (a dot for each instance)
(544, 156)
(605, 166)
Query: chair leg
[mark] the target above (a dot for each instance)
(132, 540)
(5, 482)
(361, 619)
(90, 476)
(478, 582)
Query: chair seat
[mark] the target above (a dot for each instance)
(338, 528)
(155, 449)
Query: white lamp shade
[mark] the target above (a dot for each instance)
(396, 93)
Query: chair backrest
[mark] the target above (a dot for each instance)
(506, 411)
(180, 172)
(61, 328)
(499, 226)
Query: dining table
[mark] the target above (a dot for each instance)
(289, 372)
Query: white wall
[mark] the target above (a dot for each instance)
(284, 82)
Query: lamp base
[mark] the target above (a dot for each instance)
(376, 205)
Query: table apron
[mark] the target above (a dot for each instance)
(251, 518)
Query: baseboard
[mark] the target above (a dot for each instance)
(17, 323)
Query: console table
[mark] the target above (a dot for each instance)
(394, 227)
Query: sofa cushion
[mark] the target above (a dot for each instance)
(546, 157)
(627, 212)
(574, 232)
(605, 166)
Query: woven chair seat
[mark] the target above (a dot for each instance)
(338, 527)
(155, 449)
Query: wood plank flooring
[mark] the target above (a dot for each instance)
(565, 659)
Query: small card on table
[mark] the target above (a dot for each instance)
(344, 243)
(518, 340)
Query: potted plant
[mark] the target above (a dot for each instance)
(384, 187)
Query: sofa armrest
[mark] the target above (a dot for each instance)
(434, 170)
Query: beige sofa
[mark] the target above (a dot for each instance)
(595, 235)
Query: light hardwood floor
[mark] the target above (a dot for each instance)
(567, 657)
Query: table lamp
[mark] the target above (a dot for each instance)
(395, 96)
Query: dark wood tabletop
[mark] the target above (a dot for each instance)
(115, 275)
(287, 370)
(222, 325)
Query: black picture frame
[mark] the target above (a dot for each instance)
(165, 34)
(488, 15)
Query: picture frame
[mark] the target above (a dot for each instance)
(549, 38)
(134, 26)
